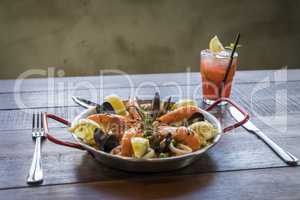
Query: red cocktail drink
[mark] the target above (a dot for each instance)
(213, 67)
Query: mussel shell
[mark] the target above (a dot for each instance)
(106, 107)
(99, 136)
(164, 146)
(110, 143)
(155, 143)
(196, 117)
(155, 105)
(105, 142)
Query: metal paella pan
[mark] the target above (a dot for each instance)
(149, 164)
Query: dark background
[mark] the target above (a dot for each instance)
(143, 36)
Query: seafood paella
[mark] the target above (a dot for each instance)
(159, 129)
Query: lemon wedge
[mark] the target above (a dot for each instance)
(84, 129)
(204, 129)
(215, 45)
(184, 102)
(140, 146)
(117, 104)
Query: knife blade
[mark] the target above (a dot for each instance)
(84, 102)
(249, 126)
(104, 108)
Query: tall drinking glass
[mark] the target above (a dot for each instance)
(213, 67)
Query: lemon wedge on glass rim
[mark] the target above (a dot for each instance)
(215, 45)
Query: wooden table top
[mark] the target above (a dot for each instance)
(240, 167)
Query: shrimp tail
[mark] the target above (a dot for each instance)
(179, 114)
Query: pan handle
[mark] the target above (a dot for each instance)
(237, 124)
(54, 139)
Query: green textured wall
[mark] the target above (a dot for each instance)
(143, 36)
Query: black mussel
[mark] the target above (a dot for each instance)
(105, 142)
(106, 107)
(110, 143)
(155, 143)
(98, 135)
(99, 109)
(164, 145)
(196, 117)
(155, 105)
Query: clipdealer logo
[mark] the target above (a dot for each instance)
(277, 119)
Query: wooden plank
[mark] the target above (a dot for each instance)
(275, 184)
(263, 106)
(250, 95)
(117, 81)
(236, 151)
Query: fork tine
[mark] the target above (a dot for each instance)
(42, 126)
(33, 121)
(37, 121)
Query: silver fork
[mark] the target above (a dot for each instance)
(36, 172)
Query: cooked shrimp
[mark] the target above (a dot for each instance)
(187, 137)
(183, 135)
(179, 114)
(164, 130)
(126, 148)
(114, 123)
(132, 107)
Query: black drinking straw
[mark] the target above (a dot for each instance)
(229, 64)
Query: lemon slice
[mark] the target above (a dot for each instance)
(117, 104)
(204, 129)
(84, 129)
(140, 146)
(186, 102)
(215, 45)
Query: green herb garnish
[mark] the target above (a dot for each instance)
(164, 155)
(174, 143)
(231, 45)
(147, 133)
